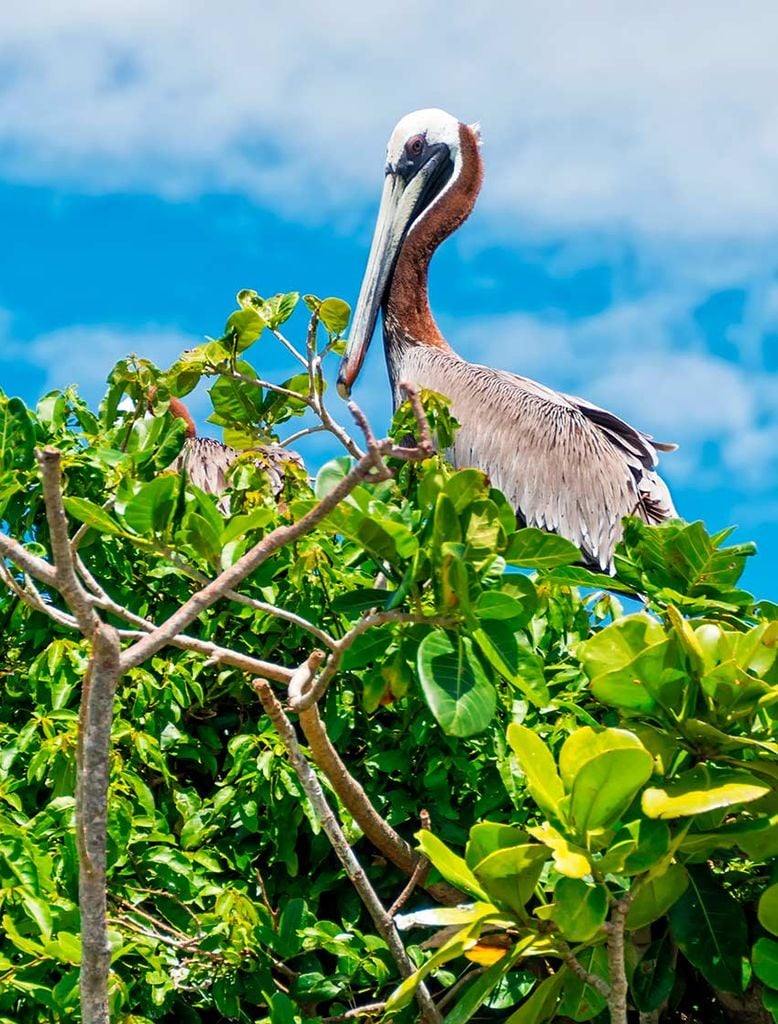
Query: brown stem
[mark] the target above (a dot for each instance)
(371, 1010)
(94, 739)
(617, 997)
(587, 977)
(355, 800)
(419, 876)
(329, 823)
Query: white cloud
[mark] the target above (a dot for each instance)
(85, 354)
(659, 119)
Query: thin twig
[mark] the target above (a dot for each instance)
(329, 823)
(450, 994)
(412, 396)
(419, 876)
(274, 914)
(289, 346)
(219, 655)
(317, 429)
(33, 598)
(370, 1010)
(252, 602)
(306, 699)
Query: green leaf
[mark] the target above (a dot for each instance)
(86, 511)
(578, 576)
(535, 549)
(655, 896)
(488, 836)
(455, 686)
(509, 876)
(569, 860)
(710, 928)
(581, 1001)
(605, 787)
(702, 789)
(465, 487)
(767, 910)
(453, 868)
(586, 743)
(764, 960)
(290, 939)
(454, 947)
(335, 314)
(445, 523)
(278, 308)
(240, 525)
(538, 766)
(651, 840)
(770, 1002)
(624, 661)
(580, 908)
(654, 976)
(494, 605)
(282, 1010)
(235, 402)
(151, 509)
(244, 328)
(542, 1003)
(522, 668)
(479, 990)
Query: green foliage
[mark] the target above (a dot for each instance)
(580, 757)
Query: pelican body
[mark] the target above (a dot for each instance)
(207, 461)
(567, 465)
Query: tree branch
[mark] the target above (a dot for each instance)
(15, 552)
(617, 997)
(313, 790)
(252, 559)
(305, 697)
(355, 800)
(419, 876)
(94, 738)
(587, 977)
(67, 582)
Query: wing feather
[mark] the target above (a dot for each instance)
(567, 465)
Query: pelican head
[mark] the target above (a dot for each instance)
(423, 160)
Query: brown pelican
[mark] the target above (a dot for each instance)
(567, 465)
(207, 461)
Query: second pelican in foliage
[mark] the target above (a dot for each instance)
(567, 465)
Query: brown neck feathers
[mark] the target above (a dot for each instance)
(178, 409)
(408, 302)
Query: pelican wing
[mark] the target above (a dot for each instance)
(206, 462)
(567, 466)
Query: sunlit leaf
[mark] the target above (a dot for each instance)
(539, 768)
(702, 789)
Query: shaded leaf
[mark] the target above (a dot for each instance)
(710, 928)
(455, 686)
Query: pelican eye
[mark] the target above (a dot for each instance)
(415, 145)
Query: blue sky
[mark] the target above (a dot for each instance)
(625, 246)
